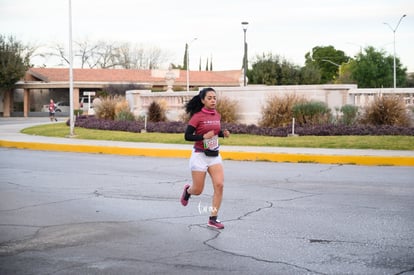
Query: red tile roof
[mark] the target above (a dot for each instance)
(213, 78)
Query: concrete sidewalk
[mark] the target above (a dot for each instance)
(10, 137)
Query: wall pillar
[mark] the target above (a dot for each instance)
(76, 99)
(26, 102)
(7, 101)
(344, 100)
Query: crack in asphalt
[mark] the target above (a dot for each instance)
(97, 193)
(270, 205)
(405, 271)
(371, 244)
(329, 168)
(15, 184)
(43, 204)
(298, 198)
(174, 182)
(218, 232)
(256, 258)
(325, 241)
(20, 225)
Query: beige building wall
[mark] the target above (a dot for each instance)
(250, 99)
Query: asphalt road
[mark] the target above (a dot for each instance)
(76, 213)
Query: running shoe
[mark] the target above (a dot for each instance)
(185, 196)
(215, 224)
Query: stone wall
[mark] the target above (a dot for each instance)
(362, 97)
(251, 99)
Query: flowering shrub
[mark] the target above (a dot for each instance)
(92, 122)
(307, 130)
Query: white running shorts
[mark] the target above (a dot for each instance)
(200, 162)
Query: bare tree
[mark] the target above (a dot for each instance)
(87, 53)
(138, 58)
(106, 56)
(124, 56)
(156, 57)
(59, 51)
(103, 54)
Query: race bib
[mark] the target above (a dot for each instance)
(211, 143)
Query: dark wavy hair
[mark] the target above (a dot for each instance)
(195, 105)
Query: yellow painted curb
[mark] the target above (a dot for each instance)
(243, 156)
(325, 159)
(113, 150)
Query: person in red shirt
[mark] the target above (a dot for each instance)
(204, 129)
(52, 108)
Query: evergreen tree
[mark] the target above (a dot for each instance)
(185, 65)
(13, 62)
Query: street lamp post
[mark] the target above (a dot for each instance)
(244, 26)
(336, 64)
(71, 112)
(333, 63)
(394, 30)
(188, 63)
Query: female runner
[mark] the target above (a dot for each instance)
(204, 129)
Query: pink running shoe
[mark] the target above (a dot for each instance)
(215, 224)
(185, 196)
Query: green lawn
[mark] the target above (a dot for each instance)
(343, 142)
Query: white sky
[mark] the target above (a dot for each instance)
(287, 28)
